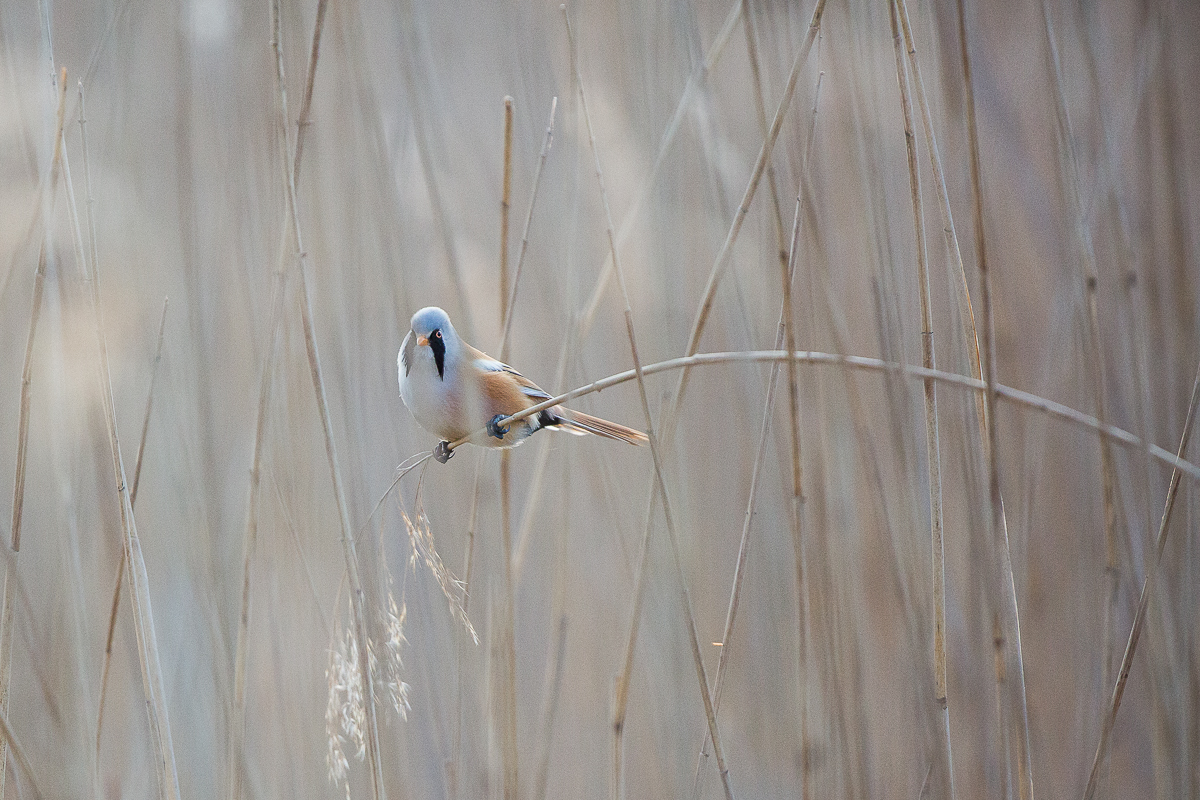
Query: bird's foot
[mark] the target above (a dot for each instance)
(442, 453)
(493, 427)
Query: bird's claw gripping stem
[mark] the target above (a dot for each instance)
(493, 427)
(442, 453)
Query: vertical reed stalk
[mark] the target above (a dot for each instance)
(695, 82)
(22, 760)
(236, 742)
(723, 256)
(10, 564)
(137, 474)
(1139, 617)
(652, 439)
(508, 689)
(357, 595)
(139, 583)
(932, 449)
(587, 316)
(989, 350)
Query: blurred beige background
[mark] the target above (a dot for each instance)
(400, 192)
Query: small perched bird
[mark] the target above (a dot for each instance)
(454, 390)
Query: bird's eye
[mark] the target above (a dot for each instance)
(437, 334)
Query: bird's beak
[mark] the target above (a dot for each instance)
(423, 341)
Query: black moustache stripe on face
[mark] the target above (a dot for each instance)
(438, 346)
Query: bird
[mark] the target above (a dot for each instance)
(454, 391)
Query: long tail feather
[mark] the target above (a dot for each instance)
(586, 423)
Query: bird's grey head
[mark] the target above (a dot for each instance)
(430, 328)
(430, 319)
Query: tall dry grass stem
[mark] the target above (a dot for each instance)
(1088, 277)
(1139, 617)
(784, 334)
(139, 582)
(697, 657)
(587, 316)
(724, 254)
(507, 634)
(236, 741)
(18, 752)
(1088, 265)
(7, 615)
(1017, 397)
(695, 81)
(933, 463)
(137, 474)
(509, 296)
(357, 595)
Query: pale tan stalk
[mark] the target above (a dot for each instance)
(557, 658)
(137, 474)
(989, 349)
(587, 316)
(1139, 617)
(357, 599)
(652, 439)
(723, 256)
(932, 450)
(10, 565)
(784, 334)
(508, 661)
(695, 81)
(1017, 397)
(235, 744)
(465, 323)
(1089, 278)
(302, 121)
(962, 286)
(22, 760)
(743, 543)
(509, 297)
(454, 763)
(139, 583)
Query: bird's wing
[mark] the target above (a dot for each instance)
(493, 370)
(406, 352)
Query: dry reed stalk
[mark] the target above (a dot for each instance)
(695, 81)
(587, 316)
(962, 286)
(465, 323)
(509, 298)
(585, 319)
(1129, 267)
(743, 543)
(236, 739)
(302, 121)
(761, 112)
(357, 599)
(784, 334)
(454, 762)
(137, 474)
(22, 760)
(970, 333)
(507, 644)
(723, 256)
(932, 449)
(1017, 397)
(139, 583)
(1087, 265)
(39, 282)
(651, 438)
(1139, 617)
(989, 350)
(621, 694)
(557, 660)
